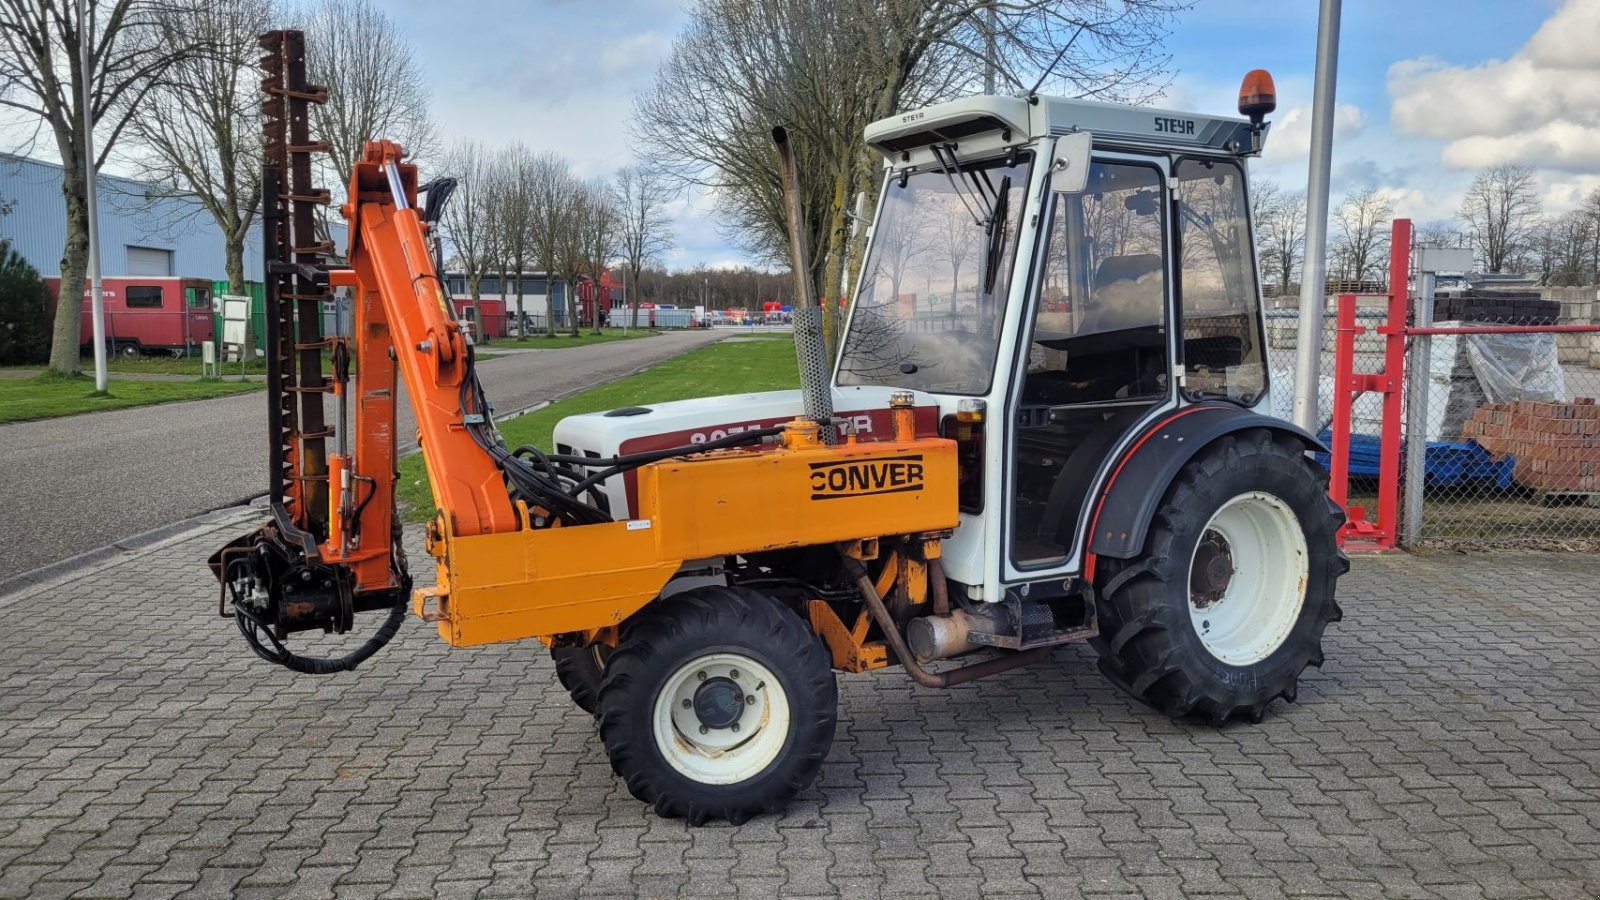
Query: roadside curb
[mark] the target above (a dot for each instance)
(20, 587)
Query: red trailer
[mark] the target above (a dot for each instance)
(149, 314)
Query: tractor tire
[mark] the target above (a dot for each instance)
(718, 703)
(1227, 604)
(580, 670)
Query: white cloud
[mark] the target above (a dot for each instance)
(1540, 107)
(1290, 137)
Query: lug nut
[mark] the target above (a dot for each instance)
(734, 726)
(750, 700)
(700, 675)
(687, 704)
(733, 673)
(704, 729)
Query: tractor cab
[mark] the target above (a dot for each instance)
(1054, 275)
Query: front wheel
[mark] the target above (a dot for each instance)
(1228, 602)
(580, 670)
(719, 703)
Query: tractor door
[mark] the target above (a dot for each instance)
(1097, 355)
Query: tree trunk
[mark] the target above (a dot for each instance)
(234, 265)
(64, 346)
(233, 268)
(633, 297)
(572, 303)
(482, 336)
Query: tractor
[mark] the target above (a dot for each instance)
(1043, 425)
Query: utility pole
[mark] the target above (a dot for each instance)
(97, 305)
(1313, 277)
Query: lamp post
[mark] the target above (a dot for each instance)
(97, 307)
(1308, 361)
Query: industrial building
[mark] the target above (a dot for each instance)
(143, 233)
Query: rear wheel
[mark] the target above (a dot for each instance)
(1228, 602)
(719, 703)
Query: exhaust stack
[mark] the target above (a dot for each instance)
(809, 347)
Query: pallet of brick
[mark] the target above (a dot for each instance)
(1556, 446)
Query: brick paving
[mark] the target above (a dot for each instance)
(1449, 748)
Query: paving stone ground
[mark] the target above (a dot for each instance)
(1449, 748)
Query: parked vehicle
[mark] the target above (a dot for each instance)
(147, 315)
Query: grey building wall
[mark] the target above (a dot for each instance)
(37, 224)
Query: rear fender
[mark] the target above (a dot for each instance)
(1140, 478)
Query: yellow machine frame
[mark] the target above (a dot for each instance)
(552, 581)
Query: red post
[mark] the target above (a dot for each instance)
(1344, 393)
(1394, 363)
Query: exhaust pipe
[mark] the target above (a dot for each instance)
(809, 347)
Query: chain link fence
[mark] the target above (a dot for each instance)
(1510, 422)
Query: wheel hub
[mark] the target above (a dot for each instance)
(1212, 571)
(1248, 578)
(719, 703)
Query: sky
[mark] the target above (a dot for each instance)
(1429, 90)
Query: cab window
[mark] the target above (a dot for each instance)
(1222, 354)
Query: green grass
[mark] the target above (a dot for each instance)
(173, 365)
(586, 337)
(717, 369)
(48, 396)
(190, 365)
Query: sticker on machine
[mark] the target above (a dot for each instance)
(866, 477)
(638, 524)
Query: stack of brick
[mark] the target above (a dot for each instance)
(1556, 445)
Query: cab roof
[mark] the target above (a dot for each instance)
(1014, 120)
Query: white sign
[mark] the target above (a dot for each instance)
(235, 319)
(1452, 260)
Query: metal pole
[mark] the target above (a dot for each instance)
(97, 305)
(988, 50)
(816, 388)
(1314, 273)
(1418, 384)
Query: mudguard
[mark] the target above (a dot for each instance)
(1140, 479)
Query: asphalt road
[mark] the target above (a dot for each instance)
(72, 484)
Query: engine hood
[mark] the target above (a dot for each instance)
(684, 422)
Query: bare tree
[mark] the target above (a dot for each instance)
(600, 222)
(643, 228)
(1500, 210)
(1591, 208)
(200, 136)
(517, 219)
(1280, 218)
(1360, 234)
(1440, 234)
(376, 86)
(826, 68)
(466, 220)
(570, 225)
(553, 191)
(1560, 248)
(130, 48)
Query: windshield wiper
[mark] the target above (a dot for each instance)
(996, 235)
(949, 168)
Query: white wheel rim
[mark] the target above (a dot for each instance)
(1247, 578)
(721, 752)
